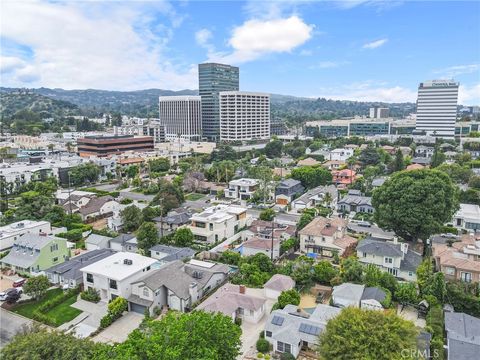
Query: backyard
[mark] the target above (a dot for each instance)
(59, 314)
(194, 196)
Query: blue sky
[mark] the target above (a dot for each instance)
(358, 50)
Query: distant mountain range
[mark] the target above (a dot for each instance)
(144, 103)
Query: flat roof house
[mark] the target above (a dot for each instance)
(287, 190)
(10, 233)
(113, 275)
(467, 217)
(241, 189)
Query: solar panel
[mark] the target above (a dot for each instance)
(277, 320)
(309, 329)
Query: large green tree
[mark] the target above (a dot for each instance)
(415, 204)
(287, 297)
(179, 336)
(147, 236)
(33, 205)
(37, 286)
(368, 334)
(274, 149)
(84, 173)
(183, 237)
(131, 218)
(312, 176)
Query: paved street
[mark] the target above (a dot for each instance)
(136, 196)
(10, 324)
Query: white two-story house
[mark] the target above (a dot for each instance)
(218, 223)
(241, 189)
(113, 275)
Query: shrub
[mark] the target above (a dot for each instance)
(91, 295)
(263, 345)
(262, 334)
(287, 356)
(115, 309)
(106, 321)
(238, 321)
(267, 357)
(260, 355)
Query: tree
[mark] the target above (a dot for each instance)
(415, 204)
(149, 212)
(368, 334)
(230, 257)
(458, 173)
(131, 218)
(302, 271)
(224, 152)
(372, 275)
(287, 297)
(398, 162)
(147, 236)
(351, 270)
(424, 274)
(37, 286)
(84, 173)
(369, 156)
(305, 219)
(311, 176)
(178, 336)
(274, 149)
(438, 287)
(159, 165)
(324, 272)
(33, 205)
(267, 215)
(438, 157)
(40, 343)
(193, 180)
(183, 237)
(406, 293)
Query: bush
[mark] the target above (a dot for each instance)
(115, 310)
(263, 345)
(435, 323)
(72, 235)
(238, 321)
(287, 356)
(106, 321)
(267, 357)
(91, 295)
(260, 355)
(262, 334)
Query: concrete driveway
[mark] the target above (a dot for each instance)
(11, 324)
(119, 330)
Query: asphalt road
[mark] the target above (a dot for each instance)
(136, 196)
(10, 324)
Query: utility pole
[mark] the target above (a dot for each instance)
(69, 193)
(273, 231)
(161, 217)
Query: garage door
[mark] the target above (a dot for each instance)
(137, 308)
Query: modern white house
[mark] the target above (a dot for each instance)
(340, 154)
(241, 189)
(113, 275)
(317, 196)
(218, 222)
(467, 217)
(10, 233)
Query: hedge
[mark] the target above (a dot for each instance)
(39, 315)
(435, 322)
(115, 310)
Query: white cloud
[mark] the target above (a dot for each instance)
(369, 91)
(10, 63)
(375, 44)
(203, 37)
(380, 5)
(75, 45)
(469, 95)
(256, 38)
(306, 52)
(457, 70)
(328, 64)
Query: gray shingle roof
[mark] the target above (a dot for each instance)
(174, 253)
(122, 238)
(411, 261)
(463, 335)
(318, 190)
(96, 239)
(174, 219)
(288, 183)
(349, 291)
(374, 293)
(357, 200)
(379, 248)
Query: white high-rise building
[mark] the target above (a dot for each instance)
(379, 113)
(244, 115)
(437, 108)
(181, 116)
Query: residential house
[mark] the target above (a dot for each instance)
(68, 273)
(113, 276)
(347, 294)
(459, 260)
(263, 230)
(321, 195)
(234, 301)
(218, 223)
(394, 257)
(334, 164)
(256, 245)
(342, 154)
(424, 151)
(324, 237)
(167, 253)
(96, 242)
(377, 182)
(372, 298)
(389, 149)
(355, 201)
(287, 190)
(72, 201)
(463, 336)
(425, 161)
(124, 242)
(176, 285)
(308, 162)
(175, 218)
(115, 221)
(12, 232)
(33, 253)
(241, 189)
(278, 283)
(343, 178)
(467, 217)
(98, 207)
(290, 329)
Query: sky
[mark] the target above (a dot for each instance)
(350, 50)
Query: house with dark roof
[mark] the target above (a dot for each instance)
(393, 257)
(463, 336)
(176, 285)
(98, 207)
(287, 190)
(68, 273)
(355, 201)
(290, 330)
(356, 295)
(124, 242)
(321, 195)
(174, 219)
(167, 253)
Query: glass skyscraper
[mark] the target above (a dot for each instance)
(213, 78)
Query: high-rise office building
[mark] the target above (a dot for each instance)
(244, 116)
(379, 113)
(212, 79)
(437, 108)
(181, 116)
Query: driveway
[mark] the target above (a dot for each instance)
(6, 282)
(11, 324)
(94, 311)
(119, 330)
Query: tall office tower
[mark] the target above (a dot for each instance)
(181, 116)
(437, 108)
(244, 115)
(379, 113)
(212, 79)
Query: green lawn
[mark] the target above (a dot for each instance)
(61, 313)
(194, 196)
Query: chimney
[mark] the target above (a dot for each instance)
(241, 288)
(395, 240)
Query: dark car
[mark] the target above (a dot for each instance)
(12, 297)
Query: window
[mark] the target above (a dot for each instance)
(450, 271)
(364, 254)
(268, 333)
(388, 260)
(53, 247)
(200, 225)
(465, 276)
(240, 311)
(410, 273)
(55, 259)
(394, 272)
(90, 278)
(216, 237)
(112, 284)
(210, 227)
(284, 347)
(148, 268)
(251, 312)
(146, 292)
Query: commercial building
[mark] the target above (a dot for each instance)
(213, 78)
(181, 116)
(152, 129)
(437, 108)
(111, 145)
(379, 113)
(244, 116)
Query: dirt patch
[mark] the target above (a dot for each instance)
(99, 224)
(307, 301)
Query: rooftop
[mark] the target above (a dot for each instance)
(20, 226)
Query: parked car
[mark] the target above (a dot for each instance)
(12, 297)
(19, 282)
(4, 294)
